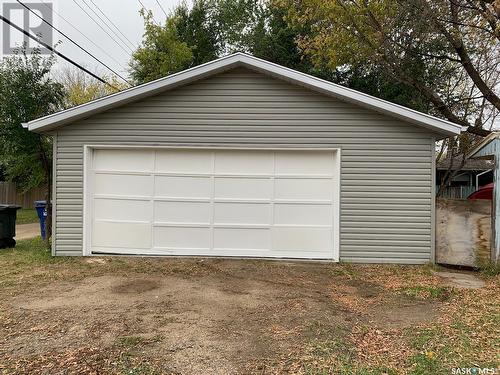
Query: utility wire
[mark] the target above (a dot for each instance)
(109, 27)
(71, 40)
(41, 42)
(99, 25)
(85, 36)
(162, 9)
(111, 22)
(146, 9)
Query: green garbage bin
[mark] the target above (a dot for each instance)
(8, 214)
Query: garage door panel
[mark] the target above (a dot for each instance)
(242, 238)
(257, 203)
(302, 239)
(182, 187)
(304, 189)
(182, 212)
(242, 213)
(122, 209)
(303, 214)
(182, 237)
(123, 160)
(184, 161)
(243, 188)
(122, 185)
(123, 234)
(304, 163)
(244, 162)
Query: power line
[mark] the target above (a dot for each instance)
(109, 27)
(110, 21)
(146, 9)
(99, 25)
(162, 9)
(71, 40)
(85, 36)
(41, 42)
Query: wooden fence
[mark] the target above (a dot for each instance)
(456, 192)
(9, 194)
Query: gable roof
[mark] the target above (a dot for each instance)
(470, 164)
(480, 150)
(65, 117)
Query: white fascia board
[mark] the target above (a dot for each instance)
(239, 59)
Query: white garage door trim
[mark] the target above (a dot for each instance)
(88, 210)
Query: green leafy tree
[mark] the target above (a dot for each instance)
(199, 29)
(445, 50)
(161, 53)
(27, 92)
(80, 88)
(211, 28)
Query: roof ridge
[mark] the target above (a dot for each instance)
(225, 63)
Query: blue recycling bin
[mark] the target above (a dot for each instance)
(41, 210)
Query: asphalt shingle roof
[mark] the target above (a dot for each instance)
(470, 164)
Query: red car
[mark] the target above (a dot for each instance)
(484, 192)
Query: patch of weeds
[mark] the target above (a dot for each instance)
(428, 292)
(347, 369)
(132, 341)
(30, 262)
(489, 269)
(427, 363)
(420, 339)
(27, 252)
(130, 365)
(326, 348)
(26, 216)
(429, 268)
(141, 369)
(329, 356)
(344, 269)
(426, 360)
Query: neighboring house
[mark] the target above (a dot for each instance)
(468, 178)
(241, 157)
(489, 148)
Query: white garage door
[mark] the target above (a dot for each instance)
(244, 203)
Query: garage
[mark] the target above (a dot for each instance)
(241, 157)
(212, 202)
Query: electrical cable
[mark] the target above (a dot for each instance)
(85, 36)
(102, 28)
(72, 41)
(50, 48)
(116, 27)
(109, 27)
(162, 9)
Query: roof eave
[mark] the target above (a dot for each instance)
(135, 93)
(482, 144)
(434, 124)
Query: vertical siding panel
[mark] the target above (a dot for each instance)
(386, 166)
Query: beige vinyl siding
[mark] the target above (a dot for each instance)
(386, 165)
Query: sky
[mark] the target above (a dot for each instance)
(70, 18)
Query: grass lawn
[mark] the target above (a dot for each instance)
(26, 216)
(214, 316)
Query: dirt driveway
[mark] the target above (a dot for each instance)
(186, 316)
